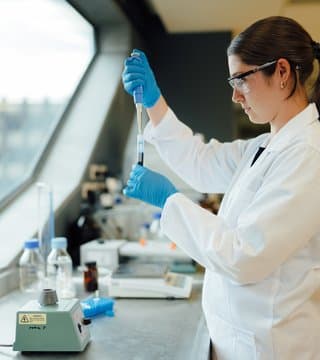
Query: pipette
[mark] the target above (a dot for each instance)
(137, 97)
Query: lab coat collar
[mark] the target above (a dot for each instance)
(293, 128)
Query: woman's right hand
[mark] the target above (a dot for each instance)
(137, 72)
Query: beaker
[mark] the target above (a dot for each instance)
(45, 220)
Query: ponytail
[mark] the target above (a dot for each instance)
(315, 96)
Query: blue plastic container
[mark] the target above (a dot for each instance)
(94, 306)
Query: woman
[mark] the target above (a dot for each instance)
(261, 294)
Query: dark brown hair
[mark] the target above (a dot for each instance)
(279, 37)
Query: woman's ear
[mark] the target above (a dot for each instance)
(284, 70)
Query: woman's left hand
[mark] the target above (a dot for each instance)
(149, 186)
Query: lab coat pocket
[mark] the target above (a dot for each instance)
(230, 342)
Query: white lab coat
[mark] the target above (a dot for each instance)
(261, 294)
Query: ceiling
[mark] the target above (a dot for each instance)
(235, 15)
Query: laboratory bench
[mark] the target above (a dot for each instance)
(141, 329)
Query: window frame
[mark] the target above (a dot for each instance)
(92, 100)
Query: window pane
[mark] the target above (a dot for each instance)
(46, 47)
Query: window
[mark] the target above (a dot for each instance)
(46, 46)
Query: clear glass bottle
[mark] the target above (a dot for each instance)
(59, 269)
(31, 267)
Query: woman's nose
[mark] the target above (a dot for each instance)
(237, 96)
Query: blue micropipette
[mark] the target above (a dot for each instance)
(137, 98)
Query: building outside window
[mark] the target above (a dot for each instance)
(46, 47)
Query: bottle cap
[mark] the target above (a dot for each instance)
(157, 215)
(31, 244)
(91, 264)
(118, 200)
(59, 243)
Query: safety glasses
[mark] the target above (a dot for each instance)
(239, 81)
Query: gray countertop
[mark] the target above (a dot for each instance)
(142, 329)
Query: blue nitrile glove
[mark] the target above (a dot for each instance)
(137, 71)
(149, 186)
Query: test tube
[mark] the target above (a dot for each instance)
(140, 149)
(137, 97)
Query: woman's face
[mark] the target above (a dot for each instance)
(257, 94)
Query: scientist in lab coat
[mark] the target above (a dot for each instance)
(261, 294)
